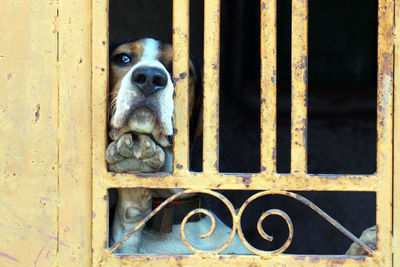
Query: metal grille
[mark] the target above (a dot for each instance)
(267, 179)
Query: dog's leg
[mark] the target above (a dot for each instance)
(128, 154)
(133, 205)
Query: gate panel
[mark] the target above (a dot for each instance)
(276, 183)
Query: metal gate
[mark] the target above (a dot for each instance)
(384, 182)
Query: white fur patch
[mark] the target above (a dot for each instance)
(150, 49)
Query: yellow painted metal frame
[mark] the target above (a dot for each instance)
(53, 128)
(267, 179)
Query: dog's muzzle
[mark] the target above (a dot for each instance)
(145, 103)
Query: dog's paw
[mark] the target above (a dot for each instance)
(138, 153)
(368, 236)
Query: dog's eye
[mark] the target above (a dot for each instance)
(122, 59)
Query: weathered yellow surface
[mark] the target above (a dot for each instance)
(253, 261)
(298, 159)
(99, 126)
(385, 131)
(28, 127)
(51, 53)
(75, 135)
(212, 12)
(268, 85)
(45, 168)
(181, 70)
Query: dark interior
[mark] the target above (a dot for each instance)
(341, 112)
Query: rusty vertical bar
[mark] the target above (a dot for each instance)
(180, 36)
(385, 129)
(211, 85)
(396, 143)
(298, 162)
(268, 86)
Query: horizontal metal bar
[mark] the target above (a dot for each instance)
(268, 86)
(211, 85)
(259, 181)
(224, 260)
(181, 78)
(298, 162)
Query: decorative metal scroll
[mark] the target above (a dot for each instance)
(236, 224)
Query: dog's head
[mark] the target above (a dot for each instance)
(141, 90)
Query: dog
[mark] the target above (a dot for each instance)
(141, 129)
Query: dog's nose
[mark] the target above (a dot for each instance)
(149, 80)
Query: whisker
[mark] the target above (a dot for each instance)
(111, 109)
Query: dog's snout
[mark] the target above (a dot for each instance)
(149, 80)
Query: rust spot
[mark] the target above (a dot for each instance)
(9, 76)
(303, 62)
(273, 80)
(37, 113)
(305, 77)
(183, 75)
(179, 166)
(246, 181)
(387, 63)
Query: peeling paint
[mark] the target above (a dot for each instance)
(183, 75)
